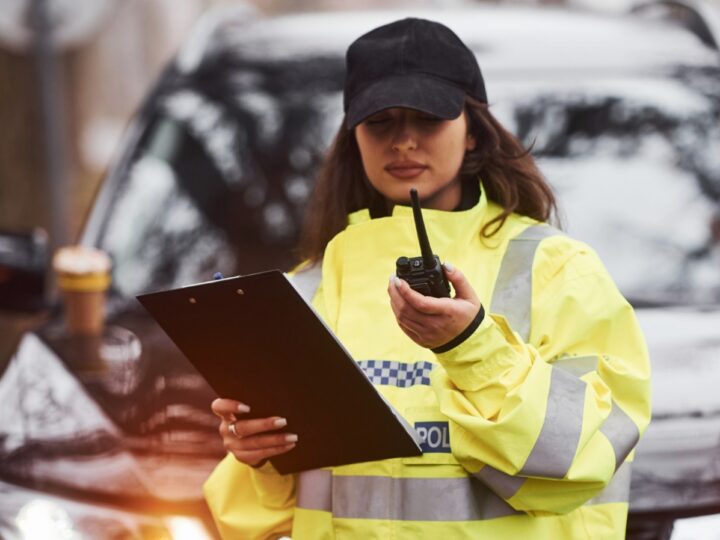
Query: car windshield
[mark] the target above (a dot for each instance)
(222, 173)
(634, 161)
(219, 179)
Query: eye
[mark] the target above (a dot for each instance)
(377, 120)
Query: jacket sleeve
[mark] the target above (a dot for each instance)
(546, 424)
(250, 503)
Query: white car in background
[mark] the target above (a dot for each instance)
(623, 114)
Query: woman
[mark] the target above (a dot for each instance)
(534, 376)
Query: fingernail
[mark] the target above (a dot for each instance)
(242, 408)
(280, 422)
(291, 437)
(397, 281)
(449, 266)
(392, 278)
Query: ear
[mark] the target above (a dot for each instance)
(470, 143)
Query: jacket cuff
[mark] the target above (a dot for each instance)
(493, 338)
(462, 336)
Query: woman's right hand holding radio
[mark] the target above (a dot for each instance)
(253, 440)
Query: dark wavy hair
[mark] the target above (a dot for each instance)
(506, 169)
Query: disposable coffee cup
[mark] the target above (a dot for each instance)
(83, 277)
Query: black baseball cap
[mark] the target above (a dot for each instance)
(413, 63)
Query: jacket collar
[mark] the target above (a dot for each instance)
(483, 211)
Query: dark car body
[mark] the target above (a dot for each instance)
(214, 172)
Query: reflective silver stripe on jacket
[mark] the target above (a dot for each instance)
(618, 489)
(501, 483)
(555, 448)
(557, 442)
(407, 499)
(577, 365)
(513, 289)
(505, 485)
(307, 281)
(420, 499)
(618, 427)
(314, 490)
(622, 433)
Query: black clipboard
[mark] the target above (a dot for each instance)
(255, 339)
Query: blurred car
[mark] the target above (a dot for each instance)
(112, 437)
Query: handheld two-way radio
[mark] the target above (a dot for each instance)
(425, 273)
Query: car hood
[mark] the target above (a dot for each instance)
(140, 426)
(122, 416)
(677, 465)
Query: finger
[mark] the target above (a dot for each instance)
(254, 457)
(228, 408)
(427, 305)
(261, 442)
(462, 286)
(402, 309)
(396, 298)
(406, 314)
(413, 328)
(397, 303)
(245, 428)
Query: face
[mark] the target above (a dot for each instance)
(403, 148)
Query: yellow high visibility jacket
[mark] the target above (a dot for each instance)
(528, 425)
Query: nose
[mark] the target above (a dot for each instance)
(405, 137)
(404, 145)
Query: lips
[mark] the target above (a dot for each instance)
(405, 169)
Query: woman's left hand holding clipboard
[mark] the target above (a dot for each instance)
(253, 440)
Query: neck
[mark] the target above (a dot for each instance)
(467, 197)
(447, 198)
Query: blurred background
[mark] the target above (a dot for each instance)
(105, 58)
(95, 102)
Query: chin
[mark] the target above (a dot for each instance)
(403, 200)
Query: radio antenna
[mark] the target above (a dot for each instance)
(425, 250)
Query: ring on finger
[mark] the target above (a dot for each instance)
(231, 427)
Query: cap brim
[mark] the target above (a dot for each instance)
(412, 91)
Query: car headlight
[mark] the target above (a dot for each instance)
(697, 528)
(42, 518)
(29, 515)
(186, 528)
